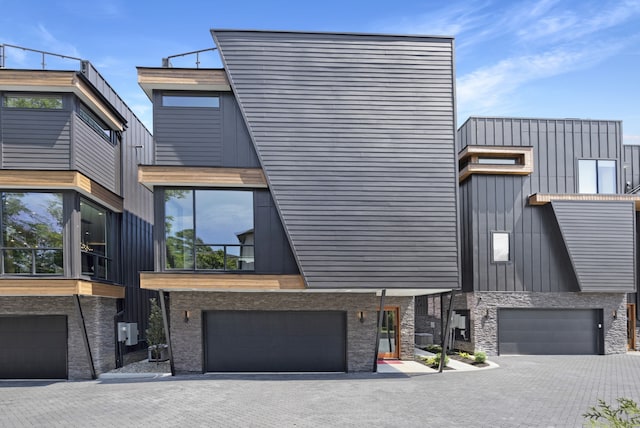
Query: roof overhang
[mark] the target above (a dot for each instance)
(182, 79)
(58, 287)
(545, 198)
(153, 175)
(60, 180)
(61, 81)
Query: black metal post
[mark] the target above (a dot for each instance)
(85, 338)
(445, 339)
(379, 331)
(165, 320)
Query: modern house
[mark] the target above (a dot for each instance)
(548, 236)
(76, 225)
(298, 191)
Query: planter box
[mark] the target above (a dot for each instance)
(164, 353)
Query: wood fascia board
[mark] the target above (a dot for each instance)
(58, 287)
(60, 180)
(58, 81)
(182, 79)
(154, 175)
(186, 281)
(472, 153)
(544, 198)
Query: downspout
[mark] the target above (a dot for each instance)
(119, 353)
(379, 331)
(85, 337)
(165, 321)
(445, 338)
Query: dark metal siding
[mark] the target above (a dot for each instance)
(202, 136)
(632, 166)
(600, 238)
(539, 258)
(96, 158)
(272, 251)
(35, 139)
(356, 136)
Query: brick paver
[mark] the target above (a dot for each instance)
(546, 391)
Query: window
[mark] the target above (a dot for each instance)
(96, 124)
(500, 247)
(94, 245)
(190, 101)
(596, 176)
(209, 229)
(32, 227)
(33, 101)
(499, 161)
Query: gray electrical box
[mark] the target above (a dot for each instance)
(128, 333)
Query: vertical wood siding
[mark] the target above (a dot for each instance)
(356, 136)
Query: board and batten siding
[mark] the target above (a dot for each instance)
(35, 139)
(199, 136)
(539, 257)
(355, 134)
(600, 238)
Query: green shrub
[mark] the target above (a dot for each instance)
(433, 348)
(435, 360)
(603, 415)
(480, 357)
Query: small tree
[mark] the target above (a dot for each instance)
(627, 414)
(155, 332)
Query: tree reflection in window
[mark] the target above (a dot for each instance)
(209, 229)
(32, 233)
(94, 242)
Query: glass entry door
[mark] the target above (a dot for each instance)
(390, 334)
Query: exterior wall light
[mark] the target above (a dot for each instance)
(361, 316)
(614, 314)
(187, 315)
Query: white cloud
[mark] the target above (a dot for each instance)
(51, 43)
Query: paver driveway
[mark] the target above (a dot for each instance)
(545, 391)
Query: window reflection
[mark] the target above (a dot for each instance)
(209, 229)
(597, 176)
(94, 241)
(32, 233)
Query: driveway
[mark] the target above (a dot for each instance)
(541, 391)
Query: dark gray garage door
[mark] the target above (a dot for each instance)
(550, 331)
(33, 347)
(274, 341)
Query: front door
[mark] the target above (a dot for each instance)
(631, 326)
(390, 334)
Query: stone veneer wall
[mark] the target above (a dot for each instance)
(187, 341)
(98, 314)
(484, 329)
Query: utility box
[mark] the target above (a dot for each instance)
(128, 333)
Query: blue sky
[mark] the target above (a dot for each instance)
(538, 58)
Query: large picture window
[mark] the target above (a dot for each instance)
(32, 227)
(596, 176)
(94, 245)
(209, 229)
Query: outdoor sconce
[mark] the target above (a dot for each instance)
(614, 314)
(361, 316)
(187, 315)
(486, 313)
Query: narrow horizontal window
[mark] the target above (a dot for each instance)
(190, 101)
(96, 124)
(500, 161)
(33, 101)
(500, 247)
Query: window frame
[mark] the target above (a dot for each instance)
(190, 95)
(33, 249)
(492, 236)
(33, 95)
(96, 124)
(194, 253)
(615, 162)
(109, 251)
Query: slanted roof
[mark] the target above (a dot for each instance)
(355, 134)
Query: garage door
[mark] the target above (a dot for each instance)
(33, 347)
(550, 331)
(275, 341)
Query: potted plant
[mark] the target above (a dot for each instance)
(158, 349)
